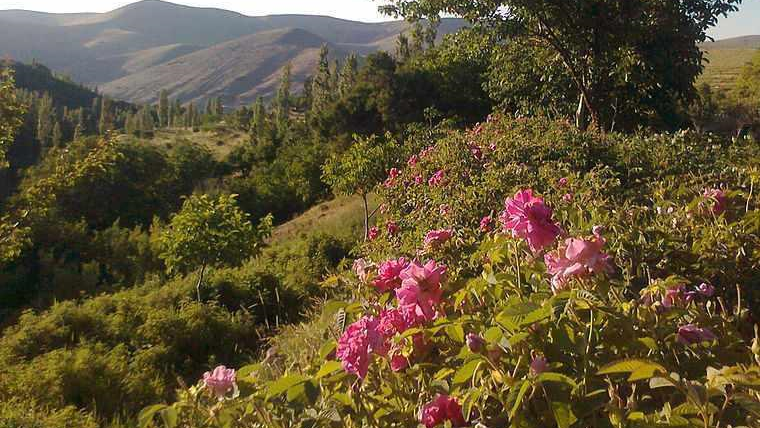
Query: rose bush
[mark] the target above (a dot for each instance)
(628, 304)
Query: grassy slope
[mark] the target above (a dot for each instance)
(219, 141)
(341, 217)
(726, 59)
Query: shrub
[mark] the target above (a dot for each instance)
(617, 292)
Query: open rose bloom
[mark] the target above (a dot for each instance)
(529, 218)
(577, 258)
(220, 381)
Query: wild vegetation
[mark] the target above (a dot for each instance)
(540, 221)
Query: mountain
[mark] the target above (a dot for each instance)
(237, 71)
(156, 45)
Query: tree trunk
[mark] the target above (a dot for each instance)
(200, 281)
(580, 113)
(366, 216)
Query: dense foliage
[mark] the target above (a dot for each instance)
(624, 64)
(619, 292)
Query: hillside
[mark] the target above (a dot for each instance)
(726, 59)
(150, 41)
(237, 70)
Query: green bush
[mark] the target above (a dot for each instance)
(515, 344)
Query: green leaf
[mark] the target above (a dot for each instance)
(145, 418)
(455, 332)
(556, 377)
(327, 349)
(465, 373)
(470, 400)
(284, 383)
(563, 414)
(518, 400)
(328, 368)
(638, 368)
(169, 416)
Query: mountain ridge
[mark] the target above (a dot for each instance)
(140, 43)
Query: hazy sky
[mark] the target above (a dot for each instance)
(745, 22)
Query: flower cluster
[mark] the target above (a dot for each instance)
(418, 292)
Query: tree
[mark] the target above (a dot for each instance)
(403, 50)
(258, 118)
(358, 170)
(106, 122)
(282, 102)
(748, 85)
(210, 232)
(628, 61)
(348, 75)
(57, 135)
(320, 89)
(11, 113)
(163, 109)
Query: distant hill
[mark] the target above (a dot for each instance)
(148, 42)
(237, 71)
(726, 58)
(65, 93)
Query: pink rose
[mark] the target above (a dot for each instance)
(577, 257)
(420, 292)
(392, 228)
(718, 199)
(361, 268)
(357, 343)
(413, 160)
(527, 217)
(706, 290)
(538, 365)
(562, 182)
(373, 233)
(567, 197)
(485, 224)
(220, 381)
(476, 343)
(443, 408)
(388, 274)
(437, 179)
(435, 238)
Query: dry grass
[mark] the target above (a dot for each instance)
(343, 216)
(725, 66)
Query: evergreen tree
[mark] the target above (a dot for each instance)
(282, 102)
(403, 51)
(320, 88)
(106, 122)
(147, 124)
(45, 120)
(57, 135)
(258, 119)
(163, 109)
(348, 75)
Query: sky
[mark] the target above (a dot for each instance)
(744, 22)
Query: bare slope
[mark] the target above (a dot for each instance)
(237, 70)
(142, 44)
